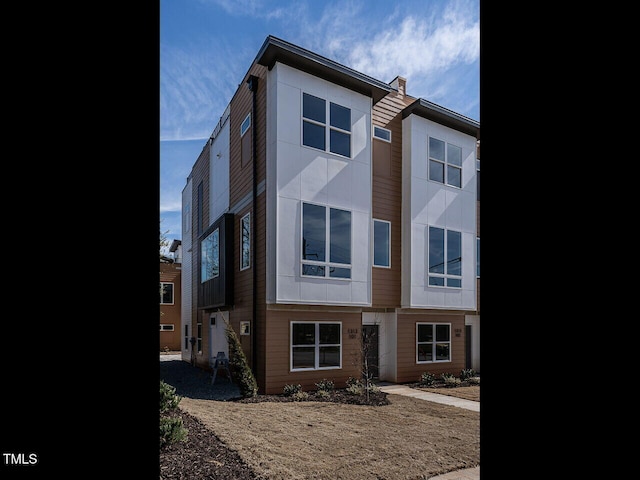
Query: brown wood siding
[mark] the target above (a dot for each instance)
(278, 373)
(171, 314)
(241, 185)
(199, 173)
(407, 367)
(387, 195)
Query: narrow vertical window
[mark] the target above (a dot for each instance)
(478, 257)
(340, 130)
(210, 256)
(381, 243)
(186, 337)
(245, 242)
(199, 338)
(199, 212)
(246, 123)
(166, 293)
(314, 117)
(186, 216)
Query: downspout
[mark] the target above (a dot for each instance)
(253, 87)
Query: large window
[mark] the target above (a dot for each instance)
(445, 257)
(314, 125)
(166, 293)
(316, 345)
(245, 242)
(445, 162)
(326, 241)
(210, 256)
(433, 342)
(381, 243)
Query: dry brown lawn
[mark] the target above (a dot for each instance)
(408, 439)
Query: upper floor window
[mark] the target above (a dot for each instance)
(166, 293)
(210, 256)
(445, 162)
(445, 257)
(478, 179)
(245, 242)
(478, 257)
(326, 241)
(186, 218)
(199, 201)
(382, 133)
(381, 243)
(246, 123)
(314, 125)
(433, 342)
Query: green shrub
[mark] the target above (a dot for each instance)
(291, 389)
(474, 380)
(168, 398)
(326, 385)
(238, 361)
(300, 396)
(171, 430)
(427, 378)
(451, 381)
(323, 394)
(467, 373)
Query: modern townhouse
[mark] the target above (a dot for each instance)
(170, 295)
(327, 207)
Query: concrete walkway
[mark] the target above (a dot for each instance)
(464, 474)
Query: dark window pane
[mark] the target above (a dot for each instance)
(340, 143)
(246, 243)
(454, 176)
(313, 135)
(304, 357)
(329, 333)
(436, 250)
(454, 253)
(340, 117)
(382, 133)
(454, 282)
(381, 243)
(425, 333)
(436, 149)
(477, 257)
(303, 334)
(329, 357)
(313, 232)
(478, 185)
(425, 352)
(210, 256)
(313, 270)
(313, 108)
(442, 333)
(336, 272)
(436, 171)
(454, 155)
(340, 236)
(442, 351)
(436, 281)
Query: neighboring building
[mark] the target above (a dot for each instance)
(326, 205)
(170, 294)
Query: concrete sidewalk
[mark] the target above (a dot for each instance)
(464, 474)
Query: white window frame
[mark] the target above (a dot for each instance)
(171, 329)
(243, 127)
(445, 163)
(373, 243)
(316, 346)
(327, 126)
(245, 267)
(435, 341)
(376, 127)
(446, 276)
(173, 293)
(327, 246)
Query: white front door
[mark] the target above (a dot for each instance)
(217, 335)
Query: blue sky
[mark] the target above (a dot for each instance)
(206, 47)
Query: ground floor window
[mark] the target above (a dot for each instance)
(316, 345)
(199, 338)
(186, 337)
(433, 342)
(166, 327)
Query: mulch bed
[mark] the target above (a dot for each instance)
(201, 455)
